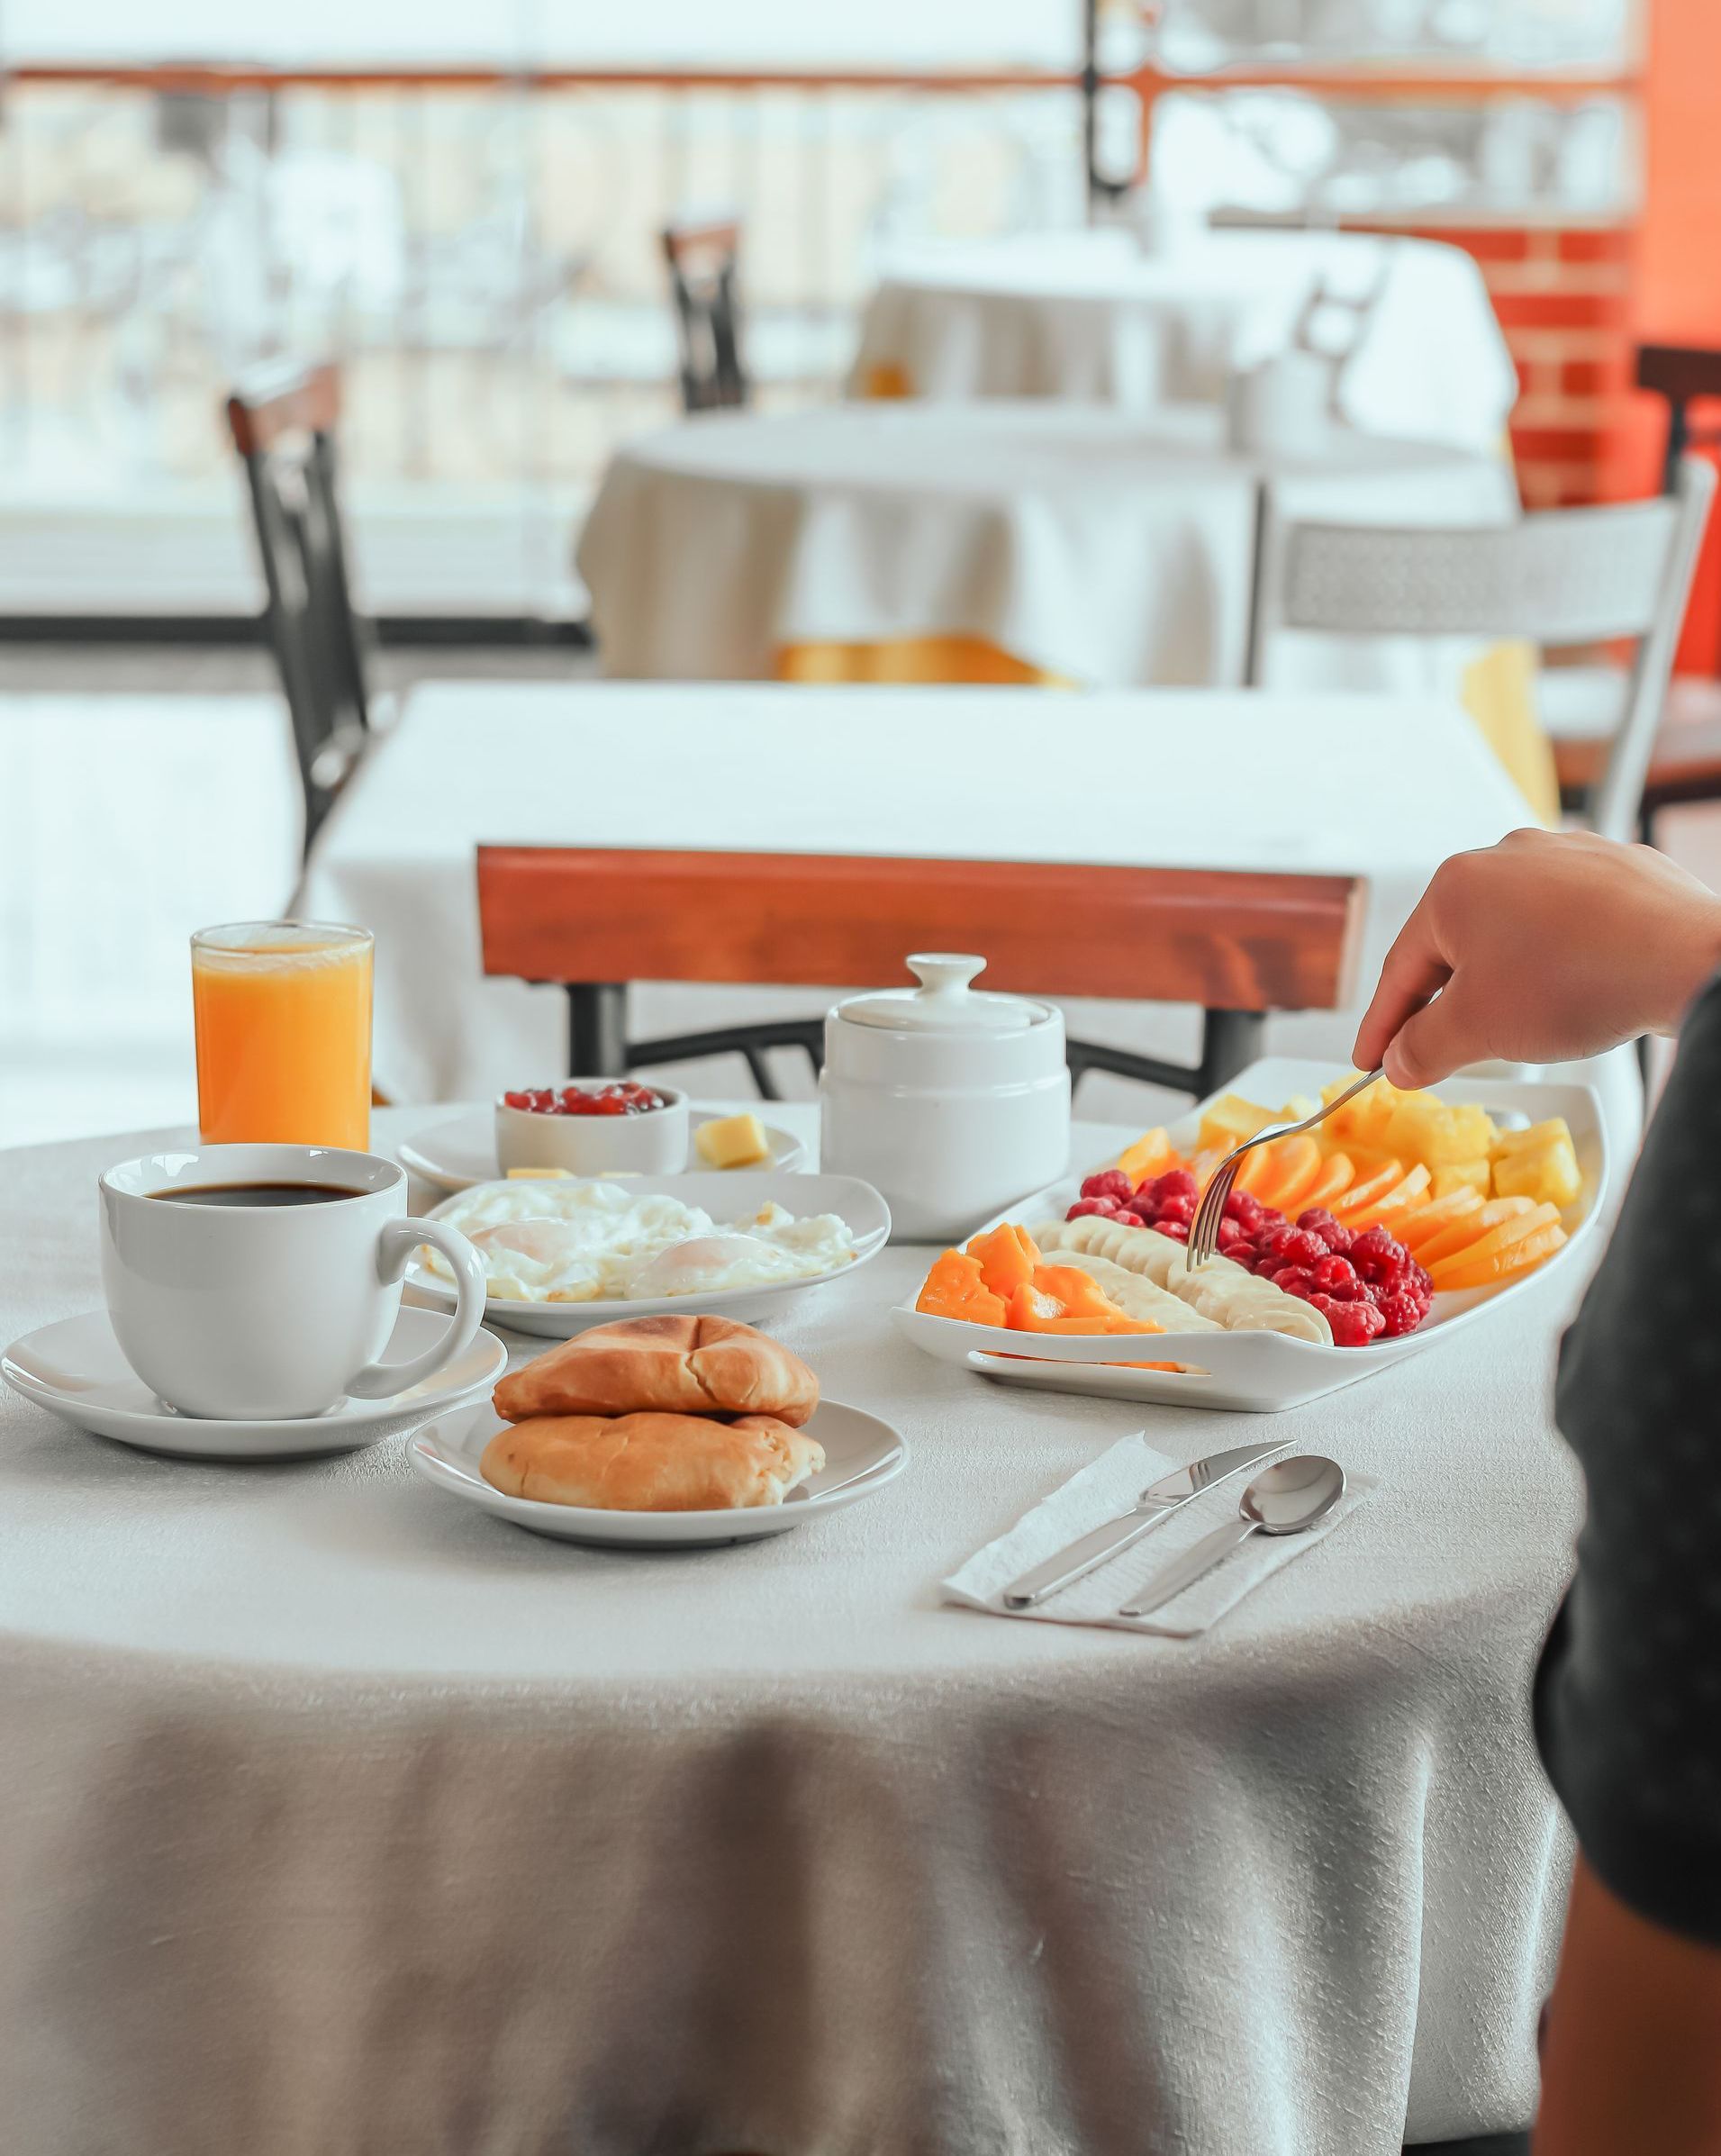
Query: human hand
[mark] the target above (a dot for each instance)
(1545, 947)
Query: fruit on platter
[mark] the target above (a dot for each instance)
(1000, 1279)
(1440, 1197)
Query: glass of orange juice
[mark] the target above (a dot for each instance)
(283, 1016)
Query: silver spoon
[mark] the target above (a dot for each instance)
(1288, 1499)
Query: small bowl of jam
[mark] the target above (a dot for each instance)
(593, 1126)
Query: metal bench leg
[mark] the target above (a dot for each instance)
(597, 1028)
(1230, 1040)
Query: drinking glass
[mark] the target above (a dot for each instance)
(283, 1019)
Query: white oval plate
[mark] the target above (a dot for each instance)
(726, 1194)
(75, 1370)
(454, 1155)
(1258, 1372)
(862, 1455)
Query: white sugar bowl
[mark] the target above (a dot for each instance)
(953, 1104)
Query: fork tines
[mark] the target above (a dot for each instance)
(1204, 1229)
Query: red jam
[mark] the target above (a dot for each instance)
(623, 1096)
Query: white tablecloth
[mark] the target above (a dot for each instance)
(1089, 316)
(1372, 786)
(1115, 551)
(341, 1819)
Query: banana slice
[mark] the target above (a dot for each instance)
(1221, 1291)
(1138, 1296)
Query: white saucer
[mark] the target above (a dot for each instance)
(458, 1152)
(862, 1453)
(75, 1370)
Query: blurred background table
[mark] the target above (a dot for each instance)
(1089, 315)
(1015, 542)
(1381, 787)
(339, 1815)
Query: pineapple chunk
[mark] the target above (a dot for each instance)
(1425, 1129)
(1360, 1123)
(1298, 1108)
(732, 1142)
(1538, 1134)
(1230, 1121)
(1547, 1171)
(1461, 1175)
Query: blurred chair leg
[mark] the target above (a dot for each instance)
(1478, 2144)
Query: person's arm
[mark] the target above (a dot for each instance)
(1632, 2060)
(1547, 947)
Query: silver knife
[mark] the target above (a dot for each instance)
(1157, 1502)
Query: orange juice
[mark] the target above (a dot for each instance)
(283, 1016)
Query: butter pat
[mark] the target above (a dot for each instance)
(732, 1142)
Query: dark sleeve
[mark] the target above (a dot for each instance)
(1629, 1695)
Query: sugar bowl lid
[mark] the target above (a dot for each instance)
(945, 1001)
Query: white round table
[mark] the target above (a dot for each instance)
(1108, 549)
(1089, 315)
(340, 1818)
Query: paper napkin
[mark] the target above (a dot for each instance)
(1104, 1489)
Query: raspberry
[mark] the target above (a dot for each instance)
(1421, 1279)
(1316, 1220)
(1274, 1242)
(1110, 1183)
(1242, 1205)
(1176, 1182)
(1336, 1276)
(1401, 1314)
(1176, 1209)
(1302, 1248)
(1354, 1324)
(1178, 1230)
(1377, 1248)
(1233, 1239)
(1295, 1280)
(1105, 1209)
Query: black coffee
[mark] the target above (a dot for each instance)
(256, 1193)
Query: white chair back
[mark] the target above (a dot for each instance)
(1562, 578)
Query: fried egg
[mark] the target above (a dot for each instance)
(589, 1242)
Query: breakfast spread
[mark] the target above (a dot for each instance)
(567, 1240)
(732, 1142)
(1397, 1196)
(666, 1414)
(624, 1097)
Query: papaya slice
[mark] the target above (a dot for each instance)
(1256, 1169)
(1469, 1230)
(1337, 1174)
(1152, 1154)
(1370, 1191)
(1426, 1220)
(1524, 1256)
(1040, 1306)
(1444, 1270)
(956, 1288)
(1007, 1257)
(1296, 1168)
(1410, 1192)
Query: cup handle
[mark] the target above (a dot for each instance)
(394, 1247)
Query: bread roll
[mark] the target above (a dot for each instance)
(650, 1462)
(682, 1365)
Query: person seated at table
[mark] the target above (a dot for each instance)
(1545, 947)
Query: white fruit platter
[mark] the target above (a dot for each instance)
(1262, 1371)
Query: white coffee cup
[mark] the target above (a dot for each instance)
(263, 1310)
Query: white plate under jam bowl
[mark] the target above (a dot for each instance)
(862, 1455)
(1257, 1373)
(75, 1370)
(459, 1149)
(726, 1195)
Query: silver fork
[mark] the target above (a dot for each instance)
(1204, 1229)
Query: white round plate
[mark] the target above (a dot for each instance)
(862, 1453)
(454, 1155)
(1259, 1372)
(726, 1195)
(75, 1370)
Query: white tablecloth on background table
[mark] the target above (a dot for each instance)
(1115, 551)
(1372, 786)
(1086, 315)
(342, 1819)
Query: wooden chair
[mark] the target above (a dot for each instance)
(283, 426)
(1239, 945)
(1567, 577)
(1685, 762)
(703, 260)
